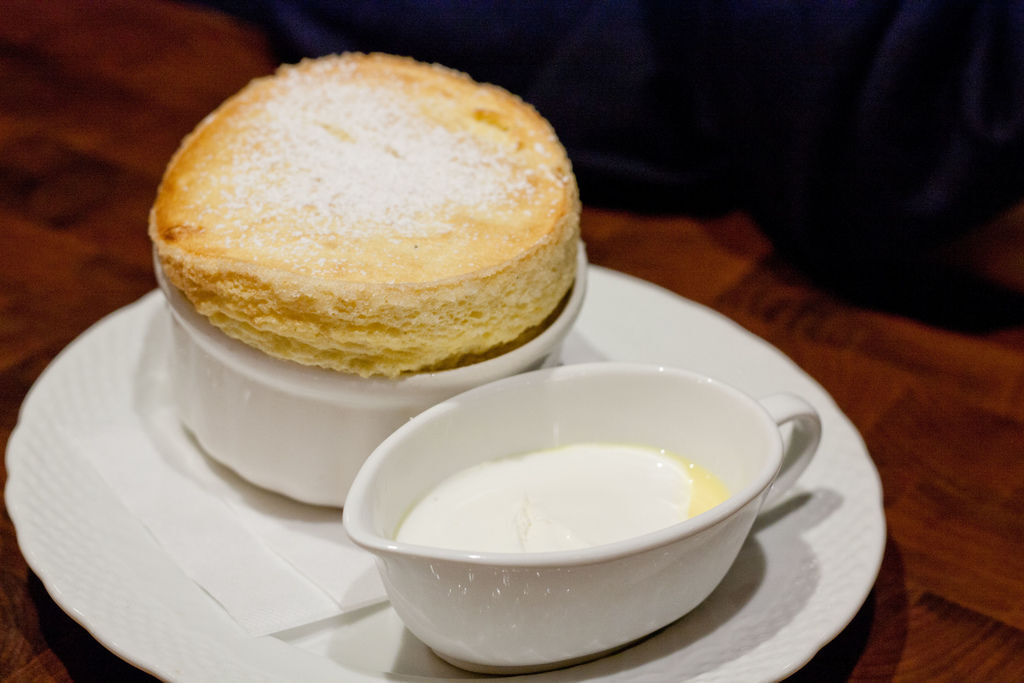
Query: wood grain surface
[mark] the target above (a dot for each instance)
(96, 94)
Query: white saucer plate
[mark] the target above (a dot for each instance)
(801, 577)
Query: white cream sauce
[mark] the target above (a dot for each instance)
(564, 498)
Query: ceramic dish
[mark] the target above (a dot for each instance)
(304, 431)
(520, 612)
(798, 580)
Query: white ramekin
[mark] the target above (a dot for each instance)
(304, 431)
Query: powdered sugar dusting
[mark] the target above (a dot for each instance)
(344, 150)
(370, 170)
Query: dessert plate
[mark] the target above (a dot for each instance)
(800, 578)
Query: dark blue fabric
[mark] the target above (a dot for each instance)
(858, 134)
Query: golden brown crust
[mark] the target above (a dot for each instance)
(371, 214)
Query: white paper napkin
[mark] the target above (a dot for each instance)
(272, 563)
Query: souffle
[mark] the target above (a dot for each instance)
(373, 215)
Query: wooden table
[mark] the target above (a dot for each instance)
(95, 96)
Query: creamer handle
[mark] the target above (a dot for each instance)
(798, 444)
